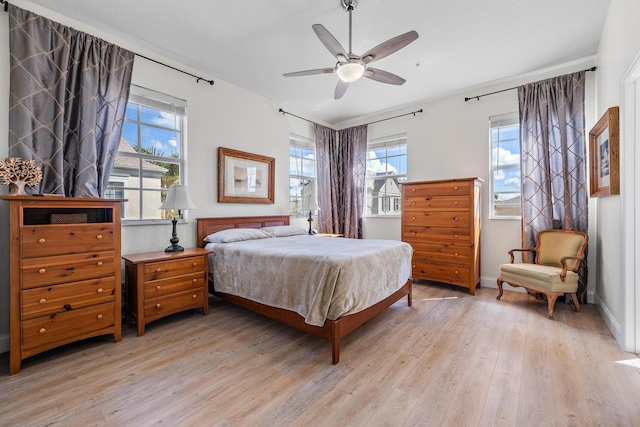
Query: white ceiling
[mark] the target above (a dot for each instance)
(463, 44)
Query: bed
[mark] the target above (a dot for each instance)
(330, 313)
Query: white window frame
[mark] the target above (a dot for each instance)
(305, 144)
(496, 122)
(387, 142)
(162, 102)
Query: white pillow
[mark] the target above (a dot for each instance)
(237, 235)
(284, 230)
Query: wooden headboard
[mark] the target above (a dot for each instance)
(208, 226)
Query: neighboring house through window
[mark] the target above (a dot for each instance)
(505, 197)
(151, 154)
(386, 171)
(302, 175)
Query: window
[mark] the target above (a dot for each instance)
(386, 171)
(505, 166)
(302, 175)
(150, 156)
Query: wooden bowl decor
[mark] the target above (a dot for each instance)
(18, 173)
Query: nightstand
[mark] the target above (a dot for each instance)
(329, 235)
(162, 283)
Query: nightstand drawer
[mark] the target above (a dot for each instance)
(60, 298)
(66, 268)
(63, 327)
(163, 306)
(172, 268)
(158, 288)
(60, 240)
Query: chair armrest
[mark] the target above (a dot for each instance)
(519, 250)
(564, 259)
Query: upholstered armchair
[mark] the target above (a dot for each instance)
(558, 254)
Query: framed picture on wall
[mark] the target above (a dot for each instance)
(245, 177)
(604, 155)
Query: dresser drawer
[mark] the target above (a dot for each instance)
(413, 203)
(441, 253)
(163, 306)
(66, 268)
(436, 219)
(63, 327)
(443, 235)
(177, 267)
(454, 274)
(70, 239)
(60, 298)
(448, 188)
(171, 285)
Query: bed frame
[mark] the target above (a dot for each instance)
(332, 330)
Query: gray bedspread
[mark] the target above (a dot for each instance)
(318, 277)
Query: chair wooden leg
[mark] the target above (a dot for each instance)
(551, 298)
(574, 298)
(499, 288)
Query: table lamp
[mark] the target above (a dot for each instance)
(310, 203)
(178, 198)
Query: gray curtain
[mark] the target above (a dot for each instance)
(341, 179)
(553, 159)
(68, 96)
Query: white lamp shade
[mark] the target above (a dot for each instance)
(178, 198)
(351, 71)
(310, 203)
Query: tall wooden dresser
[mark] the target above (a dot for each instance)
(65, 275)
(441, 221)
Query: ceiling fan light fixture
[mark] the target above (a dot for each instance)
(350, 71)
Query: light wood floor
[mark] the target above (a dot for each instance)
(450, 360)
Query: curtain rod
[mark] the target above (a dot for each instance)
(504, 90)
(198, 78)
(365, 124)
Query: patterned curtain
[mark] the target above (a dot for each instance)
(341, 178)
(68, 95)
(553, 160)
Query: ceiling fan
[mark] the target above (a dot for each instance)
(351, 67)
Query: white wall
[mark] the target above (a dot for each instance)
(619, 46)
(450, 139)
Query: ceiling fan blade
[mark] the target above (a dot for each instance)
(330, 42)
(341, 88)
(389, 47)
(310, 72)
(383, 76)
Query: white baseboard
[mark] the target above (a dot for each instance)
(610, 321)
(492, 282)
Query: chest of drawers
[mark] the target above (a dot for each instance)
(163, 283)
(64, 272)
(441, 221)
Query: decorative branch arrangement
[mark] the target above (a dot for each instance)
(18, 173)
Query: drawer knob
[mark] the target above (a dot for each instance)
(99, 263)
(455, 235)
(413, 203)
(99, 236)
(42, 240)
(158, 270)
(455, 218)
(42, 330)
(42, 301)
(456, 254)
(195, 263)
(100, 290)
(455, 203)
(456, 272)
(158, 287)
(414, 233)
(455, 188)
(413, 189)
(158, 305)
(413, 217)
(195, 280)
(99, 316)
(195, 296)
(42, 270)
